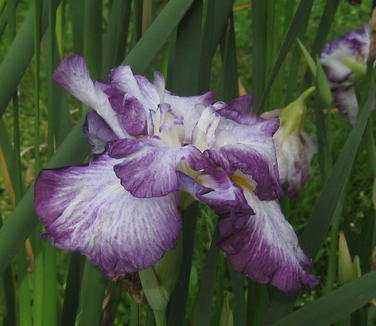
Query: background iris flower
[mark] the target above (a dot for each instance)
(344, 61)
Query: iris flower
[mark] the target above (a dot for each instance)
(121, 209)
(344, 61)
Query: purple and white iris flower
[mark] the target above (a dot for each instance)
(121, 209)
(344, 61)
(294, 147)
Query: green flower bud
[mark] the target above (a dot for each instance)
(291, 116)
(323, 87)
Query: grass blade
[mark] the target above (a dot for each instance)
(93, 36)
(300, 18)
(177, 306)
(91, 297)
(187, 56)
(207, 283)
(215, 24)
(157, 34)
(115, 40)
(18, 57)
(334, 306)
(72, 290)
(259, 37)
(76, 11)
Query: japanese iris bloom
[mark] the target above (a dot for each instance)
(121, 209)
(344, 61)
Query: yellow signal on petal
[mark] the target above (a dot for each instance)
(242, 182)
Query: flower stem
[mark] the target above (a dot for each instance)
(156, 295)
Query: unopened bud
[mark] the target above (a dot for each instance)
(323, 87)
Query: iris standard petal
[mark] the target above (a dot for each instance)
(149, 168)
(85, 208)
(73, 75)
(266, 248)
(131, 113)
(139, 87)
(249, 148)
(97, 132)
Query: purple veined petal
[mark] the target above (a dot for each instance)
(346, 101)
(227, 199)
(192, 187)
(238, 107)
(360, 40)
(335, 69)
(85, 208)
(131, 113)
(251, 150)
(149, 168)
(266, 248)
(97, 132)
(294, 156)
(354, 45)
(73, 75)
(136, 86)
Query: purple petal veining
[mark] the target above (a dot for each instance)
(85, 208)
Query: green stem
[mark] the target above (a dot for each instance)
(49, 253)
(371, 150)
(156, 295)
(333, 253)
(91, 298)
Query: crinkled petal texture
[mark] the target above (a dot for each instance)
(249, 148)
(227, 199)
(85, 208)
(148, 168)
(353, 45)
(294, 156)
(264, 246)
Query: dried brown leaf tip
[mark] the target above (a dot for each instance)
(372, 34)
(130, 282)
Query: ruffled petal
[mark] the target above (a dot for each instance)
(148, 168)
(73, 75)
(136, 86)
(131, 113)
(266, 248)
(85, 208)
(227, 199)
(97, 132)
(238, 108)
(250, 149)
